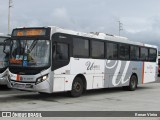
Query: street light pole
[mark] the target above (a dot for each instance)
(9, 13)
(120, 27)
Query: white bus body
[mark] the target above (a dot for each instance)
(3, 62)
(106, 61)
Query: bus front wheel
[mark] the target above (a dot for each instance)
(77, 87)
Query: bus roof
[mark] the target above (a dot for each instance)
(96, 35)
(99, 35)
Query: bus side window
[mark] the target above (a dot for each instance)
(124, 52)
(62, 51)
(112, 51)
(144, 54)
(134, 53)
(152, 55)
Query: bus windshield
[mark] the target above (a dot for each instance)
(3, 57)
(30, 53)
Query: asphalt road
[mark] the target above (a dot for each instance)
(146, 97)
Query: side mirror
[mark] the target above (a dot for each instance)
(6, 47)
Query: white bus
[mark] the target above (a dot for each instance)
(51, 59)
(3, 61)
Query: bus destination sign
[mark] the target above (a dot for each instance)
(29, 32)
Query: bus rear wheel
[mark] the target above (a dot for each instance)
(77, 87)
(132, 84)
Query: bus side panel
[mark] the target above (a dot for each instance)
(84, 67)
(63, 82)
(59, 79)
(98, 76)
(64, 76)
(149, 74)
(118, 73)
(92, 69)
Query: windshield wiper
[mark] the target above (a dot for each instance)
(32, 46)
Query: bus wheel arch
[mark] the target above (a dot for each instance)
(78, 85)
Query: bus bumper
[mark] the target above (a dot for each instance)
(3, 80)
(41, 87)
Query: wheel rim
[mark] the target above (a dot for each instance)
(133, 83)
(77, 86)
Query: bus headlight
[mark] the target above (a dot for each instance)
(41, 79)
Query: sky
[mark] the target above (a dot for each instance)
(140, 18)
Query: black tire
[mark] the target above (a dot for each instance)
(4, 87)
(133, 83)
(77, 87)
